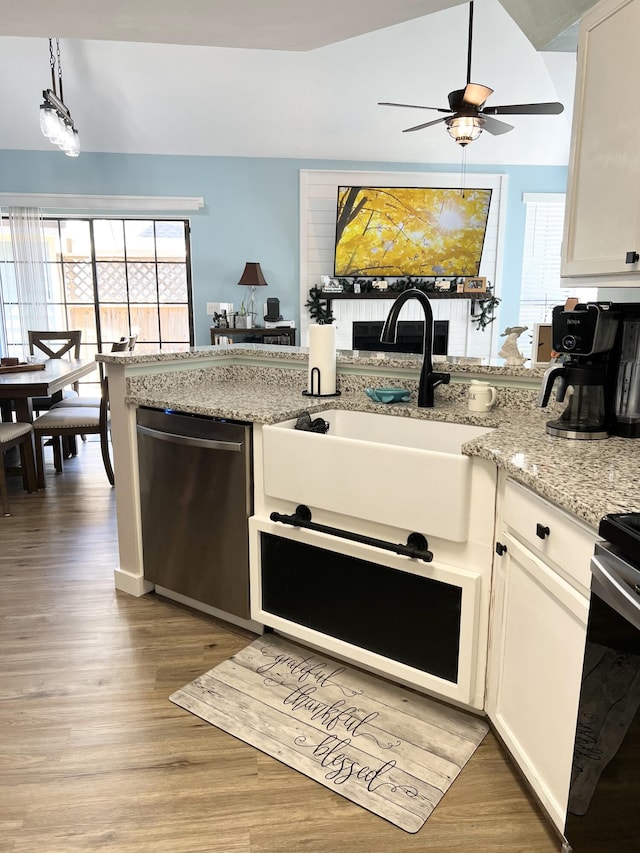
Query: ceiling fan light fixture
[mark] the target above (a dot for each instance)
(464, 129)
(468, 115)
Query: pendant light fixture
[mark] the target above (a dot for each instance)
(55, 118)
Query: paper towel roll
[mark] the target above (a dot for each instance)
(322, 360)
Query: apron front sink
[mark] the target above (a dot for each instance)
(399, 471)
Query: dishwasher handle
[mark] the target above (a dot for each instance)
(190, 441)
(609, 584)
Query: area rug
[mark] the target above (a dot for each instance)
(386, 748)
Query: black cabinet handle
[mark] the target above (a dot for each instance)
(500, 549)
(541, 531)
(632, 258)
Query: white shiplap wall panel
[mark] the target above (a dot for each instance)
(318, 200)
(319, 255)
(323, 219)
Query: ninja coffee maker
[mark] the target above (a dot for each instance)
(587, 336)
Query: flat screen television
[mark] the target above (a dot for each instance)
(410, 231)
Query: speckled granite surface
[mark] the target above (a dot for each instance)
(587, 478)
(343, 358)
(296, 379)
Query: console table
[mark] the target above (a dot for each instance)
(246, 335)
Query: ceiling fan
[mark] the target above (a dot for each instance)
(468, 116)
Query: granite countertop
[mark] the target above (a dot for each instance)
(358, 358)
(587, 478)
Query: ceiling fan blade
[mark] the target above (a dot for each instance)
(551, 108)
(422, 126)
(495, 127)
(455, 99)
(412, 106)
(476, 94)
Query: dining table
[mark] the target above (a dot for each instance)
(46, 381)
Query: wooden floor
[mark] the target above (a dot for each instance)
(93, 756)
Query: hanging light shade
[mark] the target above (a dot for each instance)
(55, 118)
(48, 120)
(464, 129)
(73, 149)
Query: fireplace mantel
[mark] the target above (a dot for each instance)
(392, 294)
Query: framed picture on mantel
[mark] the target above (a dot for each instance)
(475, 285)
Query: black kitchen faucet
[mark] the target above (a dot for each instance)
(428, 378)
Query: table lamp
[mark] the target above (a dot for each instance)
(252, 277)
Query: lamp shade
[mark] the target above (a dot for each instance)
(252, 275)
(464, 129)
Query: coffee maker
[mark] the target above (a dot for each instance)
(587, 337)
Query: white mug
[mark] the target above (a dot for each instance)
(482, 396)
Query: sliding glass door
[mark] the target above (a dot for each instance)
(109, 278)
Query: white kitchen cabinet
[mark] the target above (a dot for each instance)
(537, 638)
(602, 220)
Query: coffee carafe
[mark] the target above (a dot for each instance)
(586, 335)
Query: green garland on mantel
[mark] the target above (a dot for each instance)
(483, 308)
(319, 309)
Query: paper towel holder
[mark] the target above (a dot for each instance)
(315, 379)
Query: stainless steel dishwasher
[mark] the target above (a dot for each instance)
(195, 498)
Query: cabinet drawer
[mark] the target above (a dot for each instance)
(550, 532)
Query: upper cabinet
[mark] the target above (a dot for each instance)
(602, 223)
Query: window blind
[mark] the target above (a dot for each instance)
(541, 286)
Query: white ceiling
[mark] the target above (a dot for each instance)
(256, 24)
(549, 24)
(148, 96)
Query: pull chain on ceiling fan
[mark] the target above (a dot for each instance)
(467, 115)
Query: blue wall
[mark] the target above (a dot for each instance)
(251, 211)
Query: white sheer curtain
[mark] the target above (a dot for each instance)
(25, 225)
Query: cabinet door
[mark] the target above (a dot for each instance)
(537, 645)
(602, 219)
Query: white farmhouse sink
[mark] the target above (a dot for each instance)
(394, 470)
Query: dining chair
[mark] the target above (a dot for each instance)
(123, 345)
(127, 343)
(62, 421)
(65, 342)
(21, 435)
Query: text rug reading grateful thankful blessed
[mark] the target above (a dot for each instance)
(387, 749)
